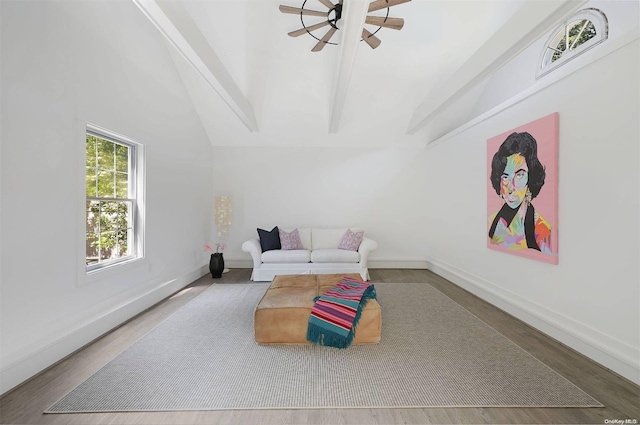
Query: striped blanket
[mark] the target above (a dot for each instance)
(335, 314)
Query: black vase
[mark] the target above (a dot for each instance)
(216, 265)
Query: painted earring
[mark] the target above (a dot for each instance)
(528, 196)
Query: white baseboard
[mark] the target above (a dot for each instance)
(32, 363)
(410, 263)
(612, 353)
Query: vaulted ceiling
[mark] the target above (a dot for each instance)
(253, 85)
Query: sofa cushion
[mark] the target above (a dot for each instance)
(326, 238)
(334, 256)
(290, 240)
(269, 239)
(282, 256)
(351, 241)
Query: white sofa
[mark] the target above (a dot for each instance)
(319, 256)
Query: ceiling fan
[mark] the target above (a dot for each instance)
(334, 14)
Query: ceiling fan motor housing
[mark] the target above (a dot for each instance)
(337, 15)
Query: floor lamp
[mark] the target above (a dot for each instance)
(223, 211)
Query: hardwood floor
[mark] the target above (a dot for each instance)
(24, 405)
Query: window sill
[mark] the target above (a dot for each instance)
(107, 272)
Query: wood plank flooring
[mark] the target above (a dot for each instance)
(24, 405)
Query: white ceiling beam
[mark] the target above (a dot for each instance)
(526, 26)
(354, 13)
(173, 21)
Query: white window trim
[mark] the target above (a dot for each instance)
(109, 270)
(601, 24)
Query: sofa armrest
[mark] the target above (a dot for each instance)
(366, 247)
(252, 246)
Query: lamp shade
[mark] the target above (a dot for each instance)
(223, 210)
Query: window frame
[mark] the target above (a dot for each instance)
(134, 196)
(601, 24)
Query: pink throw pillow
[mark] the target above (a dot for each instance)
(351, 241)
(291, 240)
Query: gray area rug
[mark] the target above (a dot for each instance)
(433, 353)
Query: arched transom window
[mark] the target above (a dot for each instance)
(582, 31)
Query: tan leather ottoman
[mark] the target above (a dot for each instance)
(282, 315)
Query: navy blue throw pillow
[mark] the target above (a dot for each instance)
(269, 240)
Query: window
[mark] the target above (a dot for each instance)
(584, 30)
(112, 205)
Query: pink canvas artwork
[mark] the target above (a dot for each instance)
(522, 190)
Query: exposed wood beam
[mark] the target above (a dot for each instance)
(354, 13)
(173, 21)
(526, 26)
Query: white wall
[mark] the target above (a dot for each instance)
(588, 301)
(379, 190)
(65, 63)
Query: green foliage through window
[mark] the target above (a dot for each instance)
(576, 33)
(109, 207)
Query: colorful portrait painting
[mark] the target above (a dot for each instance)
(522, 190)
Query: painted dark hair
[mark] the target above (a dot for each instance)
(525, 145)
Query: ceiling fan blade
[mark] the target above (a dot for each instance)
(381, 4)
(324, 40)
(327, 3)
(370, 39)
(393, 23)
(298, 11)
(305, 30)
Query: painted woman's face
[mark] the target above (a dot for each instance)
(515, 177)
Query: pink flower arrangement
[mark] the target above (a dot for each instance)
(219, 247)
